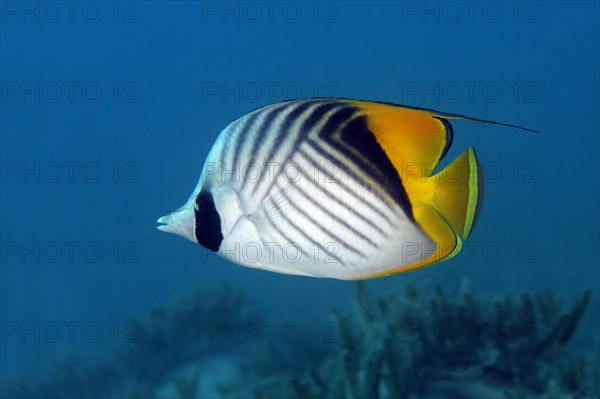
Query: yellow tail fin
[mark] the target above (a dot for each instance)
(456, 192)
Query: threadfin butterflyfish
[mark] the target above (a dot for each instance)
(334, 188)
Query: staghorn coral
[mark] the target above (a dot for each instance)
(434, 344)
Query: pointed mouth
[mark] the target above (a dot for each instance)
(180, 222)
(164, 223)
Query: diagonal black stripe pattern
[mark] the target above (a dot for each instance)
(282, 133)
(321, 227)
(337, 200)
(315, 117)
(332, 215)
(317, 147)
(302, 232)
(270, 113)
(357, 135)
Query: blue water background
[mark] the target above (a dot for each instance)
(172, 64)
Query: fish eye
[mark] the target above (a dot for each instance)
(207, 222)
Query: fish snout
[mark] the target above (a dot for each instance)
(180, 222)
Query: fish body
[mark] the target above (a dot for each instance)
(333, 188)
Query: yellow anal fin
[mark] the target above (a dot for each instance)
(447, 243)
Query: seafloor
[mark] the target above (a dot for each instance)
(423, 342)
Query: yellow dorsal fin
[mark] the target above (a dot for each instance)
(414, 140)
(445, 205)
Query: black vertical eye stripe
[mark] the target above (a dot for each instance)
(207, 222)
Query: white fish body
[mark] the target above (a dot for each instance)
(319, 188)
